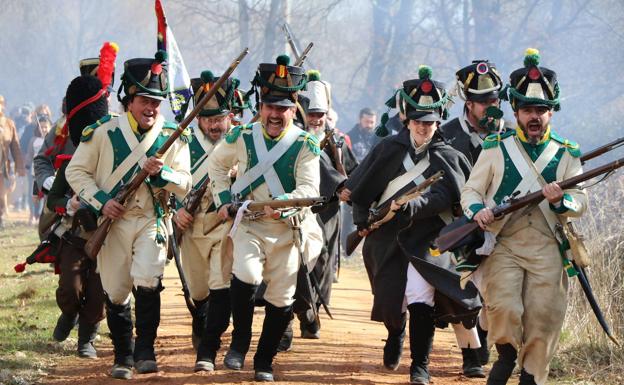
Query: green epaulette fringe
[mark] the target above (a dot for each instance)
(492, 141)
(573, 148)
(312, 142)
(235, 132)
(87, 133)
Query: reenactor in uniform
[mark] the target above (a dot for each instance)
(79, 295)
(132, 259)
(57, 142)
(397, 255)
(9, 144)
(276, 160)
(318, 103)
(523, 280)
(201, 240)
(478, 84)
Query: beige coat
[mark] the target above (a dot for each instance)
(523, 280)
(264, 249)
(131, 255)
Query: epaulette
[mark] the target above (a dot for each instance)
(235, 132)
(492, 141)
(573, 148)
(185, 135)
(88, 131)
(312, 142)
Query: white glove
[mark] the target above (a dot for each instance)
(47, 183)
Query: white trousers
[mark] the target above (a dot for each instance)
(418, 290)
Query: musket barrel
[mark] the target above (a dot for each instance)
(449, 240)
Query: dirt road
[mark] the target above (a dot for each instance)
(349, 351)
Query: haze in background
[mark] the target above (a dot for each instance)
(364, 48)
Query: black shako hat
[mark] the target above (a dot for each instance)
(222, 102)
(532, 85)
(421, 99)
(279, 83)
(479, 81)
(146, 77)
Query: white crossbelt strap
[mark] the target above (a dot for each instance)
(475, 139)
(266, 160)
(413, 174)
(138, 150)
(201, 171)
(529, 178)
(551, 218)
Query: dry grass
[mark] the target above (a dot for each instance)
(585, 351)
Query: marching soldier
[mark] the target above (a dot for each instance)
(201, 240)
(478, 85)
(79, 295)
(57, 142)
(523, 280)
(397, 255)
(318, 94)
(9, 143)
(132, 259)
(276, 160)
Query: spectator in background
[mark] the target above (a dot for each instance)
(22, 118)
(41, 130)
(362, 135)
(22, 197)
(361, 139)
(9, 144)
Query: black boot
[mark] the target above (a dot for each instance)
(471, 365)
(275, 322)
(119, 320)
(287, 338)
(309, 326)
(64, 326)
(86, 337)
(503, 367)
(217, 321)
(393, 349)
(147, 312)
(526, 378)
(242, 299)
(483, 351)
(199, 321)
(421, 330)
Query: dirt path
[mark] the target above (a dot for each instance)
(349, 351)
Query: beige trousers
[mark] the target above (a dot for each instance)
(525, 291)
(264, 250)
(130, 256)
(201, 256)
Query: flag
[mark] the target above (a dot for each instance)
(180, 91)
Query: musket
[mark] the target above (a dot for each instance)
(298, 63)
(601, 150)
(582, 276)
(193, 201)
(174, 247)
(93, 246)
(256, 208)
(330, 141)
(450, 239)
(383, 214)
